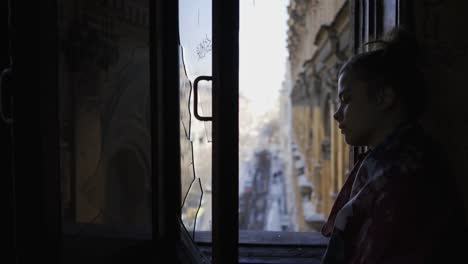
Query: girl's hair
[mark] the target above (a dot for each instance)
(393, 63)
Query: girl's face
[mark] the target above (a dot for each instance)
(357, 115)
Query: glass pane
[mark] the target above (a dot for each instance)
(195, 60)
(105, 115)
(389, 14)
(292, 158)
(262, 58)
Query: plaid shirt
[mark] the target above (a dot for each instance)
(397, 206)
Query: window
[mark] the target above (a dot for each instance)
(195, 32)
(113, 108)
(104, 118)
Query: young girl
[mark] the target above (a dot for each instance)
(399, 204)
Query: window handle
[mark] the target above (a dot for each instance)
(195, 98)
(6, 73)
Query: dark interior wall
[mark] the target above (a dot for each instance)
(441, 27)
(5, 133)
(35, 156)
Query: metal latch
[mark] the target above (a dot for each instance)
(195, 98)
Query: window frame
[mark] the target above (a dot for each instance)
(367, 23)
(38, 221)
(38, 231)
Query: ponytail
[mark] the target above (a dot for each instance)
(392, 60)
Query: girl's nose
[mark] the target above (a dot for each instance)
(337, 114)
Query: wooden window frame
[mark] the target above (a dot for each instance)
(38, 231)
(38, 221)
(367, 23)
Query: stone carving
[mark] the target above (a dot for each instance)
(326, 148)
(296, 22)
(300, 93)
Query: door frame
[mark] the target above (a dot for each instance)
(225, 151)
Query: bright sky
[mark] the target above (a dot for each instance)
(262, 52)
(262, 47)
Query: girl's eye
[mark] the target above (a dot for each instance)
(343, 99)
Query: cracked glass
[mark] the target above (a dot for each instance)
(195, 135)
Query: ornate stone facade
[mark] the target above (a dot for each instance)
(319, 42)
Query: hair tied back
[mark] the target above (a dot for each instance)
(401, 45)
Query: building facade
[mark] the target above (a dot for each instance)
(319, 42)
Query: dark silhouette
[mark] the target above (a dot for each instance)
(399, 203)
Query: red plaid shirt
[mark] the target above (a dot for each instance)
(398, 205)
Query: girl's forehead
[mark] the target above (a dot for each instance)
(346, 82)
(349, 85)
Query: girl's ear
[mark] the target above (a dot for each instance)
(386, 97)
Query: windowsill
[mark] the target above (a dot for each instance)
(269, 247)
(283, 238)
(266, 247)
(246, 237)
